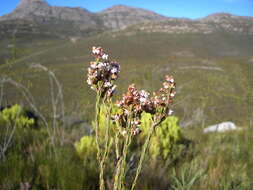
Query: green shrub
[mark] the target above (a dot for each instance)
(14, 116)
(86, 147)
(167, 134)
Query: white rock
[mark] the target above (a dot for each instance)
(221, 127)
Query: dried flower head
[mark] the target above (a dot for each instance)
(134, 102)
(102, 73)
(163, 99)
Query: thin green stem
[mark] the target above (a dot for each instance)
(117, 145)
(119, 159)
(107, 135)
(125, 152)
(151, 131)
(97, 125)
(103, 159)
(117, 175)
(123, 163)
(122, 159)
(99, 158)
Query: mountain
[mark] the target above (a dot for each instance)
(118, 17)
(39, 18)
(45, 19)
(42, 18)
(216, 23)
(33, 20)
(40, 9)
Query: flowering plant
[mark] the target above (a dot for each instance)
(102, 74)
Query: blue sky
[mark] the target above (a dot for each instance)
(172, 8)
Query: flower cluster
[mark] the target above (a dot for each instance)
(164, 97)
(102, 73)
(134, 102)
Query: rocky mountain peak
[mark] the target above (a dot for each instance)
(130, 10)
(217, 17)
(121, 16)
(40, 9)
(31, 1)
(24, 3)
(120, 8)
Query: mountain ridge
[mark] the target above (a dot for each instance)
(23, 3)
(75, 21)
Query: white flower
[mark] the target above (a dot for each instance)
(107, 84)
(95, 50)
(114, 70)
(89, 81)
(144, 94)
(105, 56)
(90, 71)
(169, 79)
(101, 64)
(136, 123)
(93, 65)
(172, 80)
(166, 85)
(170, 112)
(143, 100)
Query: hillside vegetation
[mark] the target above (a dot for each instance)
(47, 109)
(219, 87)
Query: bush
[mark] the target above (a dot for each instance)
(15, 116)
(167, 134)
(86, 147)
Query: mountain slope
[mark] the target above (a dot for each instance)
(78, 21)
(34, 9)
(118, 17)
(50, 20)
(218, 23)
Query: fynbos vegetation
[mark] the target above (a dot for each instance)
(130, 141)
(101, 76)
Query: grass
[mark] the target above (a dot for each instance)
(37, 163)
(210, 161)
(225, 160)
